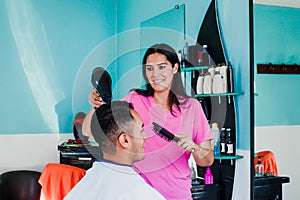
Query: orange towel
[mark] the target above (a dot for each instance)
(268, 160)
(58, 179)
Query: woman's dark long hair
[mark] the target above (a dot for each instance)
(177, 93)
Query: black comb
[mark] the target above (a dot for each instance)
(164, 133)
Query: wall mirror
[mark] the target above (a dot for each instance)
(208, 33)
(221, 110)
(167, 27)
(116, 35)
(276, 39)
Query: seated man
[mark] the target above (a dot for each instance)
(118, 129)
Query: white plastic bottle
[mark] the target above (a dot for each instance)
(207, 84)
(223, 72)
(218, 83)
(199, 87)
(211, 70)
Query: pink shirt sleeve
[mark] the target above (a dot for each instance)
(128, 97)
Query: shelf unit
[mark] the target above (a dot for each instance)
(195, 68)
(231, 158)
(219, 95)
(221, 157)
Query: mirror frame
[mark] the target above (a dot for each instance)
(252, 108)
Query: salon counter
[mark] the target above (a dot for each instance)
(78, 155)
(269, 187)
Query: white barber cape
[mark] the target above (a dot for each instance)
(107, 180)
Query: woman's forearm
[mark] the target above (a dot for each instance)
(203, 154)
(86, 126)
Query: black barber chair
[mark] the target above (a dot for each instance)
(20, 185)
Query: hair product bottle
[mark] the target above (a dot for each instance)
(207, 84)
(223, 141)
(229, 143)
(216, 132)
(208, 177)
(230, 78)
(199, 87)
(223, 72)
(218, 83)
(211, 70)
(205, 56)
(259, 168)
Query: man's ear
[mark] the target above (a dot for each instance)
(124, 140)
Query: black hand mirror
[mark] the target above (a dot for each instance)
(101, 80)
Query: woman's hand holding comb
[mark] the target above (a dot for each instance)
(186, 143)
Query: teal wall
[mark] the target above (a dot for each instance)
(234, 24)
(276, 40)
(43, 44)
(49, 54)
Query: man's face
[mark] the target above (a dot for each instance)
(138, 138)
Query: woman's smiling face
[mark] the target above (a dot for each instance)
(159, 72)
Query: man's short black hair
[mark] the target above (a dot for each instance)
(109, 121)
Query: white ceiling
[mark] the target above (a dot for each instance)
(287, 3)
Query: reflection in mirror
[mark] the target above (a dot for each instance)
(209, 35)
(276, 40)
(219, 110)
(177, 39)
(168, 27)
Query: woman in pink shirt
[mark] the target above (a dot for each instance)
(164, 101)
